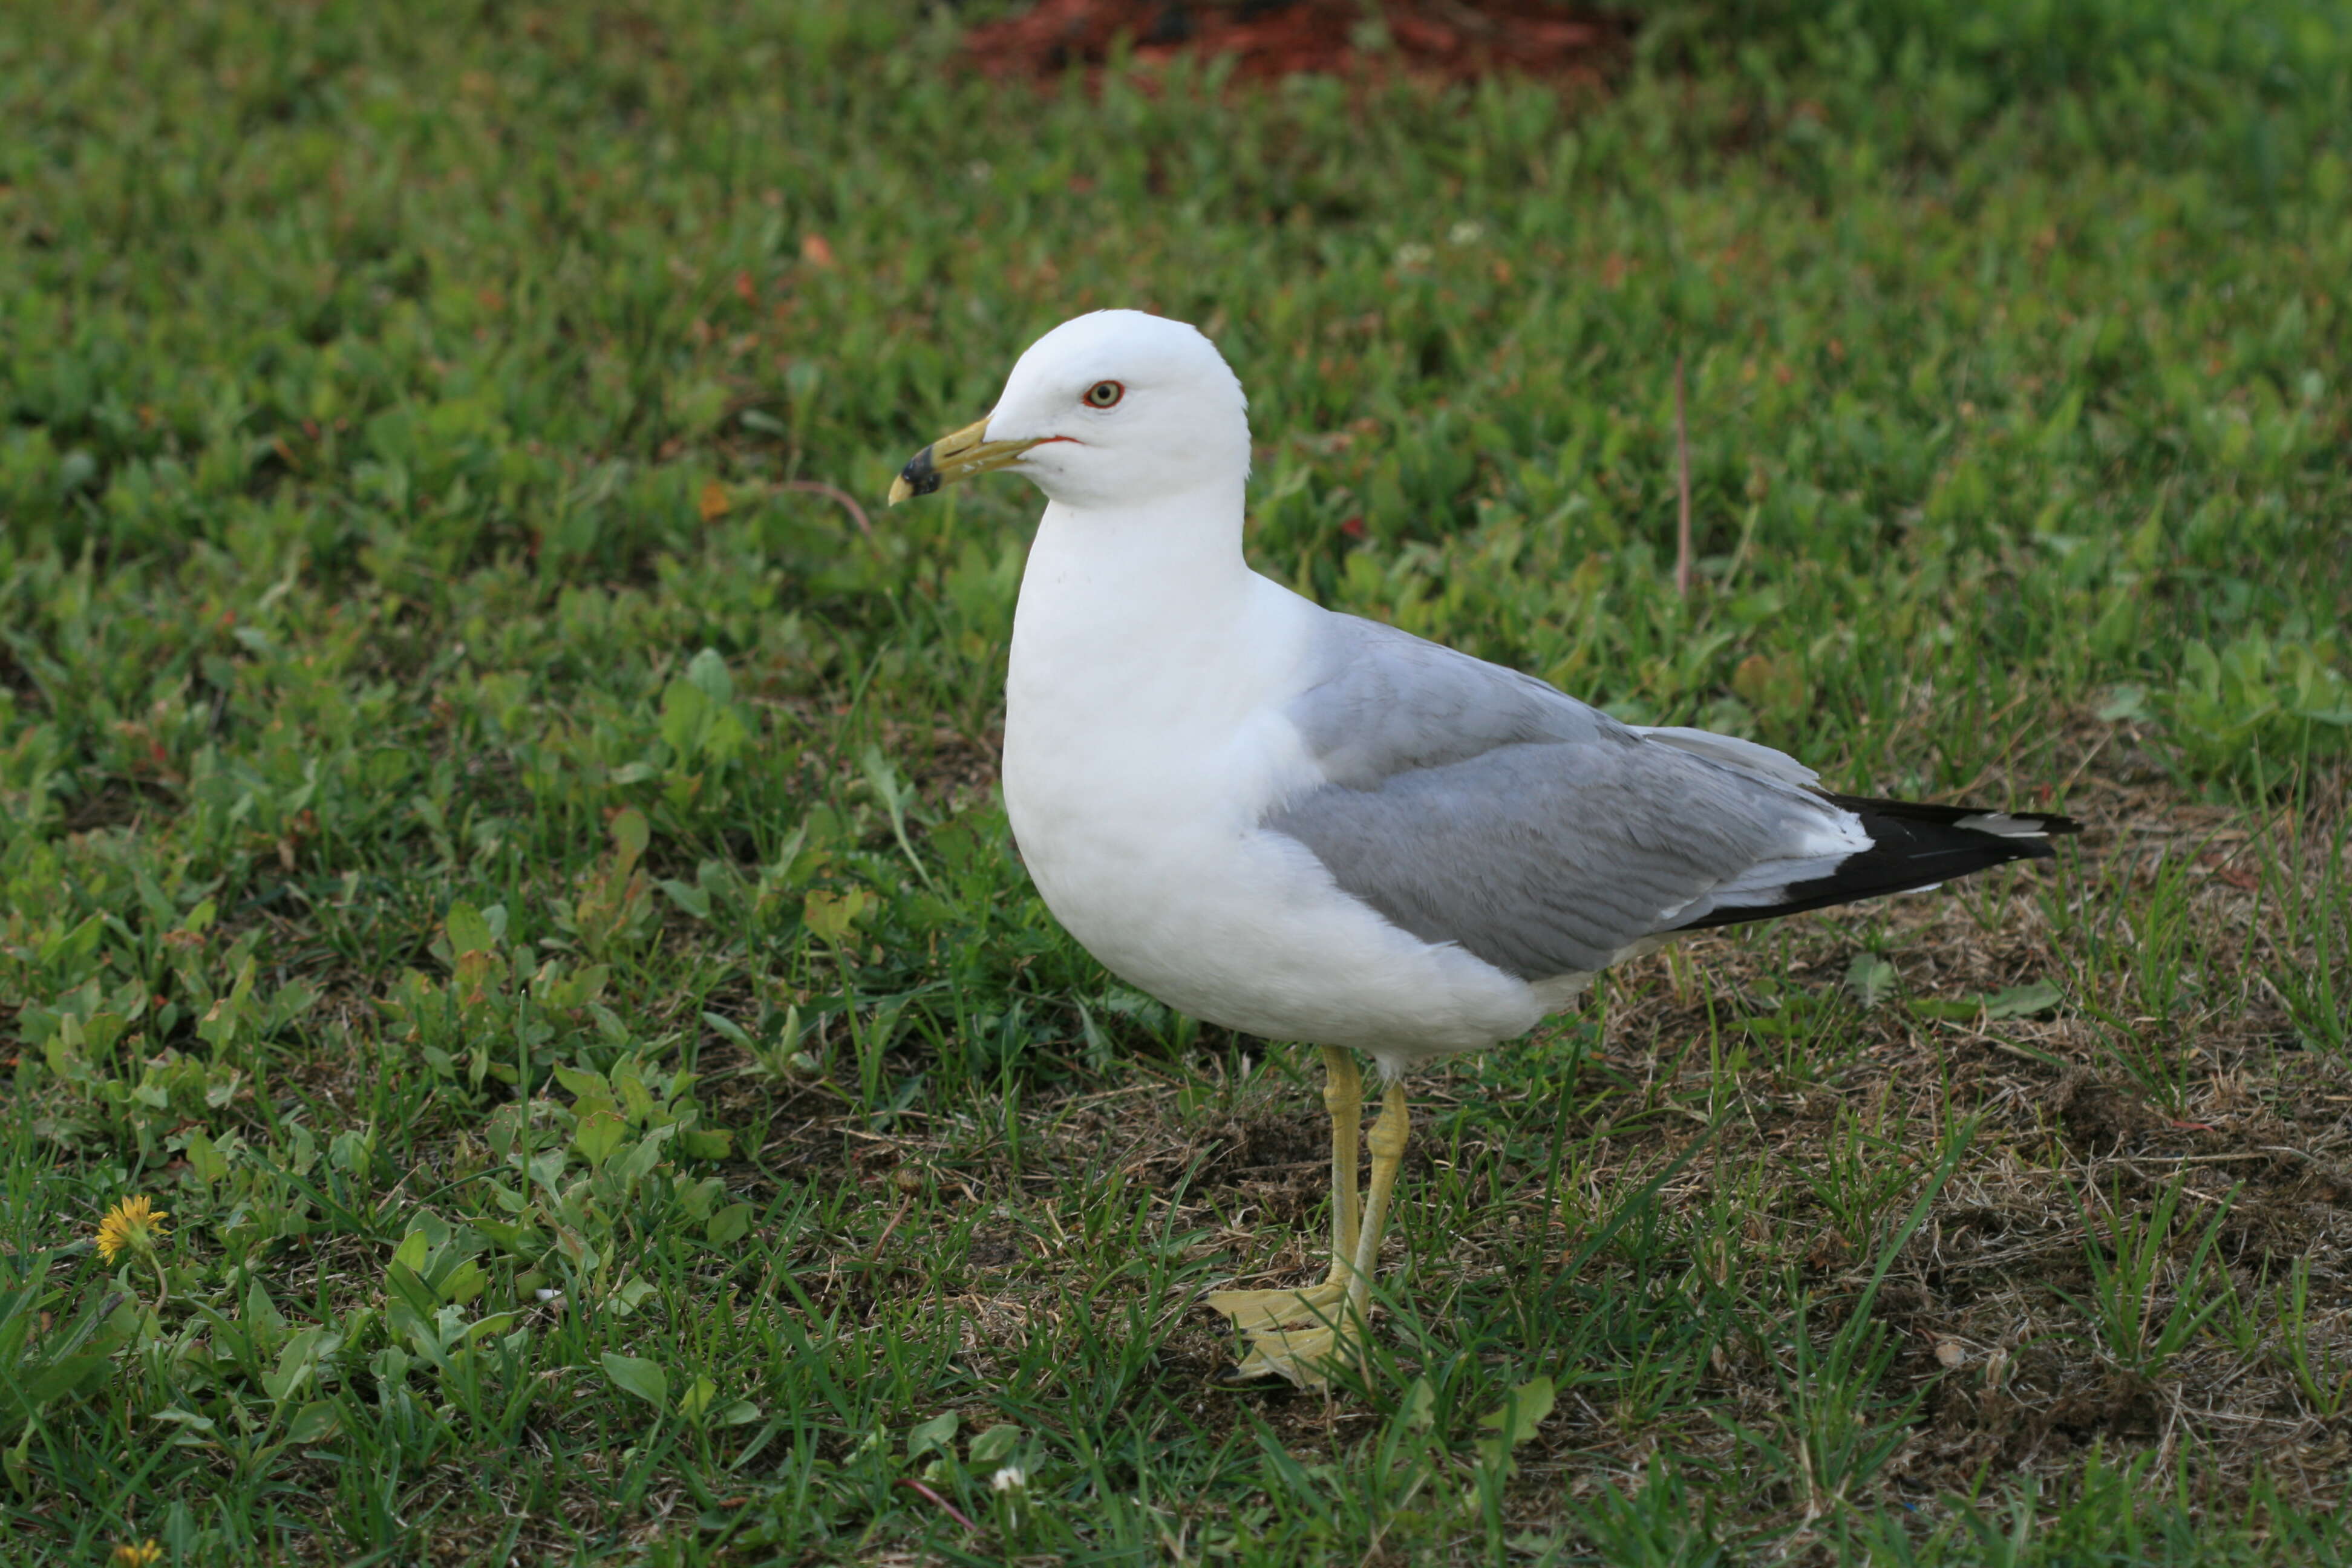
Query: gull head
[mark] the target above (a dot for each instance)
(1107, 410)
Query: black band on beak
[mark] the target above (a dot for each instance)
(918, 476)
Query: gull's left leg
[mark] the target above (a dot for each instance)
(1387, 1141)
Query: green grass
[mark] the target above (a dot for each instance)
(519, 877)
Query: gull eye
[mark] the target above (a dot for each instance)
(1103, 394)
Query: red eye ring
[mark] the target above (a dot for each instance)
(1103, 394)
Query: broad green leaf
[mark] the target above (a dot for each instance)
(204, 1159)
(693, 899)
(683, 708)
(2126, 702)
(698, 1199)
(352, 1149)
(2023, 1001)
(1516, 1420)
(577, 1249)
(830, 915)
(599, 1133)
(707, 673)
(729, 1226)
(994, 1445)
(933, 1436)
(583, 1085)
(261, 1317)
(314, 1422)
(706, 1143)
(646, 1153)
(465, 1282)
(297, 1361)
(469, 931)
(638, 1377)
(484, 1328)
(637, 1100)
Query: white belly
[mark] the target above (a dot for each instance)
(1238, 932)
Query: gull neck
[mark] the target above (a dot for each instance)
(1182, 551)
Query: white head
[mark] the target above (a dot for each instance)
(1109, 409)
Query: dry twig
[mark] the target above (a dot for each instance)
(1682, 486)
(834, 492)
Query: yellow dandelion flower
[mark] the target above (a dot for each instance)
(134, 1225)
(142, 1555)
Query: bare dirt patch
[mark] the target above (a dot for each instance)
(1448, 40)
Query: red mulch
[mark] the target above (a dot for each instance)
(1452, 40)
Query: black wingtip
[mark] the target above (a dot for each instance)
(2048, 824)
(1913, 844)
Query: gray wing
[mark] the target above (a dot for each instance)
(1386, 702)
(1474, 805)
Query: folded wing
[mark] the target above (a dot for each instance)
(1474, 805)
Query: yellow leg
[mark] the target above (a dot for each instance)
(1343, 1096)
(1388, 1157)
(1297, 1335)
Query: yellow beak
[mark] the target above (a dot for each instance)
(955, 457)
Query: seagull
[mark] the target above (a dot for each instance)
(1313, 827)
